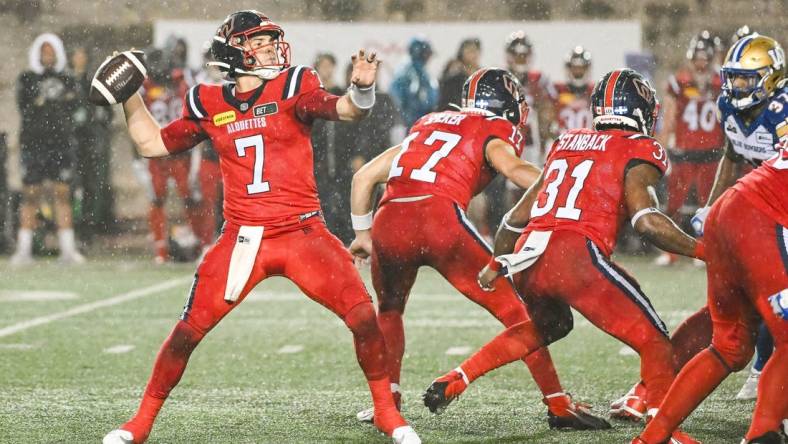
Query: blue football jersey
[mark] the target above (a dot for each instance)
(755, 142)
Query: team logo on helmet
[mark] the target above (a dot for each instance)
(644, 90)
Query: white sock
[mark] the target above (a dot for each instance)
(65, 237)
(24, 241)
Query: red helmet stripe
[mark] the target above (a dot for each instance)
(611, 87)
(474, 82)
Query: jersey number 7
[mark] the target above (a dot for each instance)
(258, 185)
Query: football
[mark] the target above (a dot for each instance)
(118, 78)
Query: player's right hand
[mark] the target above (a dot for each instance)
(699, 219)
(361, 247)
(486, 278)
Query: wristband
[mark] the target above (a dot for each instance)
(361, 223)
(642, 213)
(700, 250)
(363, 98)
(494, 265)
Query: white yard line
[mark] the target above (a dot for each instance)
(119, 349)
(290, 349)
(85, 308)
(458, 350)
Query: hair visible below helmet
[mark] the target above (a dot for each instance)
(702, 43)
(753, 70)
(624, 99)
(231, 56)
(498, 91)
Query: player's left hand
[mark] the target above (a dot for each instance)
(365, 68)
(486, 278)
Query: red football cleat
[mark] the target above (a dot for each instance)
(564, 413)
(444, 390)
(632, 406)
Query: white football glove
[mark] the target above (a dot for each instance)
(699, 219)
(779, 304)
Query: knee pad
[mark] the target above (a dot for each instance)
(361, 320)
(734, 345)
(553, 319)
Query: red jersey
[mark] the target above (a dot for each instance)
(697, 128)
(766, 187)
(443, 155)
(573, 106)
(263, 141)
(583, 182)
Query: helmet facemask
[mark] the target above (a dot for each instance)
(264, 60)
(745, 87)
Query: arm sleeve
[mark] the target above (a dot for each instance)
(182, 134)
(314, 102)
(24, 93)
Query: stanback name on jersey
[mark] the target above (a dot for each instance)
(755, 142)
(583, 182)
(443, 155)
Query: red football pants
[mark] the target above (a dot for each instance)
(311, 257)
(574, 271)
(747, 261)
(435, 232)
(686, 176)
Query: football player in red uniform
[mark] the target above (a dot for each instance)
(260, 127)
(691, 131)
(447, 158)
(741, 285)
(567, 224)
(162, 94)
(573, 97)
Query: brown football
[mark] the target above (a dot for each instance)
(118, 78)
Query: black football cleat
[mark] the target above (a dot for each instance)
(443, 391)
(578, 418)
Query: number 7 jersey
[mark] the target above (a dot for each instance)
(263, 139)
(583, 182)
(444, 155)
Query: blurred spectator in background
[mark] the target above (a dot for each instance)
(413, 89)
(457, 70)
(177, 52)
(691, 132)
(92, 139)
(163, 93)
(539, 94)
(205, 176)
(46, 97)
(573, 96)
(330, 156)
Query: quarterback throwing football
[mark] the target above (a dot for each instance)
(260, 127)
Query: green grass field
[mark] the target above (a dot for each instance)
(280, 368)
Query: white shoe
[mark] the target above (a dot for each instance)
(118, 436)
(72, 258)
(750, 388)
(21, 259)
(785, 426)
(404, 435)
(366, 415)
(665, 259)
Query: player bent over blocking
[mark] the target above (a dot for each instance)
(260, 127)
(447, 158)
(747, 271)
(564, 229)
(753, 108)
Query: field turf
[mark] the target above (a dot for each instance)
(280, 368)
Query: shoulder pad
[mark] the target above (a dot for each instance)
(300, 78)
(193, 102)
